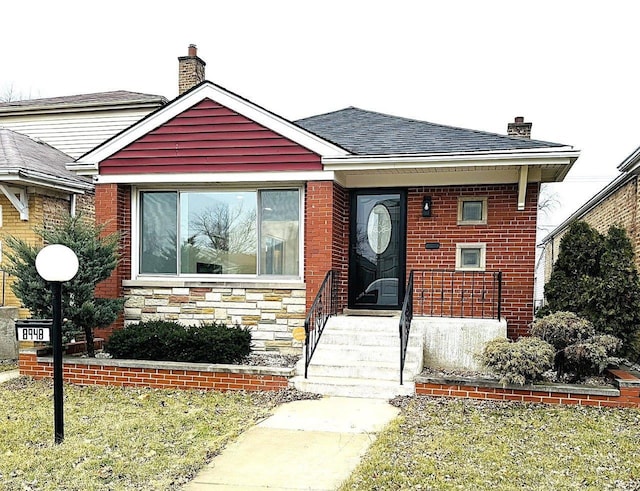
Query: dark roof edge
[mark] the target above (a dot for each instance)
(67, 106)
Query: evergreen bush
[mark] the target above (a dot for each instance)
(561, 329)
(520, 362)
(595, 277)
(97, 257)
(171, 341)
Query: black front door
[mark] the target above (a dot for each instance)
(377, 258)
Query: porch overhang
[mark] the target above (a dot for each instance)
(500, 167)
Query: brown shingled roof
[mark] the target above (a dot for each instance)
(95, 99)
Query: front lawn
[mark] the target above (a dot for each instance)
(5, 365)
(116, 438)
(442, 444)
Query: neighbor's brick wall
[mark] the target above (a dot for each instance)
(326, 236)
(621, 208)
(88, 374)
(510, 236)
(270, 313)
(46, 209)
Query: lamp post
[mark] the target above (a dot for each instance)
(56, 264)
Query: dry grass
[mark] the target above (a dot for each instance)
(5, 365)
(441, 444)
(116, 438)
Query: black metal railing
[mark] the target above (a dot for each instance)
(406, 317)
(324, 306)
(451, 293)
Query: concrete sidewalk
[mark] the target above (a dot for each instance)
(312, 445)
(9, 375)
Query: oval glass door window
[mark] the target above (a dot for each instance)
(379, 228)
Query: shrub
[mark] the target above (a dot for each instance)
(595, 277)
(171, 341)
(562, 329)
(579, 351)
(97, 257)
(591, 356)
(520, 362)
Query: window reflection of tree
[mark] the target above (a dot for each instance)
(222, 239)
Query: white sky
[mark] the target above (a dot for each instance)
(570, 67)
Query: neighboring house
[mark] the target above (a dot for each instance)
(39, 137)
(618, 203)
(76, 124)
(230, 212)
(36, 189)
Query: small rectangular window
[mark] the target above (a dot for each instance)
(470, 257)
(472, 211)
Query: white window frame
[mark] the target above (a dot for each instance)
(462, 200)
(483, 256)
(204, 278)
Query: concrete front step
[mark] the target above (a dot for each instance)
(366, 338)
(365, 370)
(326, 354)
(354, 387)
(360, 357)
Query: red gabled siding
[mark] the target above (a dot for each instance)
(210, 138)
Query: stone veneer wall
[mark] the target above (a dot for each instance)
(271, 313)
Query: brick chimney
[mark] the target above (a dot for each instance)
(190, 70)
(519, 128)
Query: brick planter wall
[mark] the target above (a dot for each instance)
(157, 375)
(627, 393)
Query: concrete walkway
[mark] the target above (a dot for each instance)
(9, 375)
(311, 445)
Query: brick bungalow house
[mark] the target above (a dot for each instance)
(230, 212)
(618, 203)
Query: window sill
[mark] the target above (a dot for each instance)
(469, 222)
(163, 282)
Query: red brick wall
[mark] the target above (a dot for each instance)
(510, 236)
(113, 211)
(629, 396)
(84, 374)
(326, 236)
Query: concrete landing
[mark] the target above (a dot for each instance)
(311, 445)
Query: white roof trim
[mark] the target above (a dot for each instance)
(199, 178)
(551, 156)
(631, 162)
(43, 181)
(591, 203)
(218, 94)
